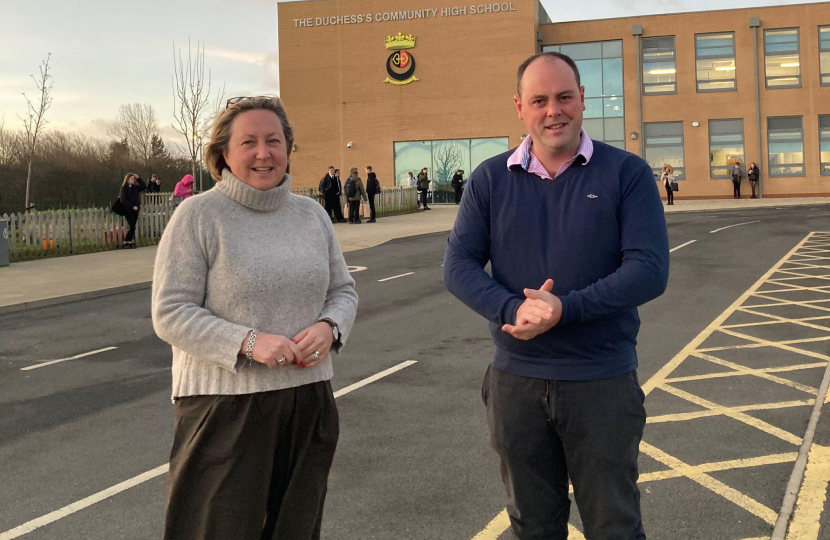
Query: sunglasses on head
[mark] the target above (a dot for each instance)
(235, 100)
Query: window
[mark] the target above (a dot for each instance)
(824, 143)
(443, 158)
(664, 146)
(782, 59)
(715, 62)
(785, 140)
(601, 71)
(824, 54)
(659, 70)
(726, 146)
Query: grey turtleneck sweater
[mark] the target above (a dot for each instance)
(235, 259)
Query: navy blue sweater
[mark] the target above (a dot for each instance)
(598, 230)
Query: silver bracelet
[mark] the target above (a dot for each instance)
(250, 348)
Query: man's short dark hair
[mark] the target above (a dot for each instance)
(369, 168)
(336, 170)
(331, 166)
(564, 57)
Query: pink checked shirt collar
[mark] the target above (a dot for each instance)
(524, 158)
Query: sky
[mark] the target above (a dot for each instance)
(106, 53)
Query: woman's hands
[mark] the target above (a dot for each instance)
(316, 338)
(274, 351)
(277, 352)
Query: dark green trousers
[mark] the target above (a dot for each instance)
(253, 466)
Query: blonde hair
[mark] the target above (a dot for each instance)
(353, 171)
(221, 136)
(126, 179)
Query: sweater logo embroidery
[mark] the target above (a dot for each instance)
(592, 196)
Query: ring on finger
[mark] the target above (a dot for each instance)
(316, 355)
(281, 361)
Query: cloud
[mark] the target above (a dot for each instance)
(271, 72)
(235, 56)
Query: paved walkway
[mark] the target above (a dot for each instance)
(32, 284)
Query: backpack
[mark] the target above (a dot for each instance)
(351, 188)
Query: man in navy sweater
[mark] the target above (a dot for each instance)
(576, 238)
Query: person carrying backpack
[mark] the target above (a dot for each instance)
(355, 192)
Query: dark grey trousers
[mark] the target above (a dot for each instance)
(547, 431)
(253, 466)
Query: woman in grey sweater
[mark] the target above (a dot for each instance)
(251, 290)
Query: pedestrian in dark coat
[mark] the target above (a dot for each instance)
(130, 197)
(372, 189)
(154, 185)
(457, 184)
(754, 174)
(423, 187)
(355, 193)
(737, 174)
(330, 189)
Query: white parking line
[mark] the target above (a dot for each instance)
(49, 363)
(373, 378)
(354, 269)
(396, 277)
(735, 225)
(682, 245)
(70, 509)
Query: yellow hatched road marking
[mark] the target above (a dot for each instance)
(779, 344)
(744, 501)
(785, 345)
(760, 461)
(804, 321)
(760, 373)
(812, 495)
(739, 416)
(495, 528)
(660, 379)
(725, 374)
(693, 345)
(779, 302)
(680, 417)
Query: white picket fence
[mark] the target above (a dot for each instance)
(50, 233)
(35, 235)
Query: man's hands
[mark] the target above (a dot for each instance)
(540, 312)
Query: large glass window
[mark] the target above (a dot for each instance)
(601, 73)
(664, 146)
(444, 157)
(715, 62)
(659, 69)
(785, 140)
(824, 143)
(782, 58)
(824, 54)
(726, 146)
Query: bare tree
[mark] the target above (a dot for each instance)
(137, 124)
(35, 120)
(447, 161)
(192, 107)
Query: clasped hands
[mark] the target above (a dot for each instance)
(541, 311)
(269, 349)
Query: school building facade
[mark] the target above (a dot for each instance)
(427, 83)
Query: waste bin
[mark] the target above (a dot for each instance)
(4, 242)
